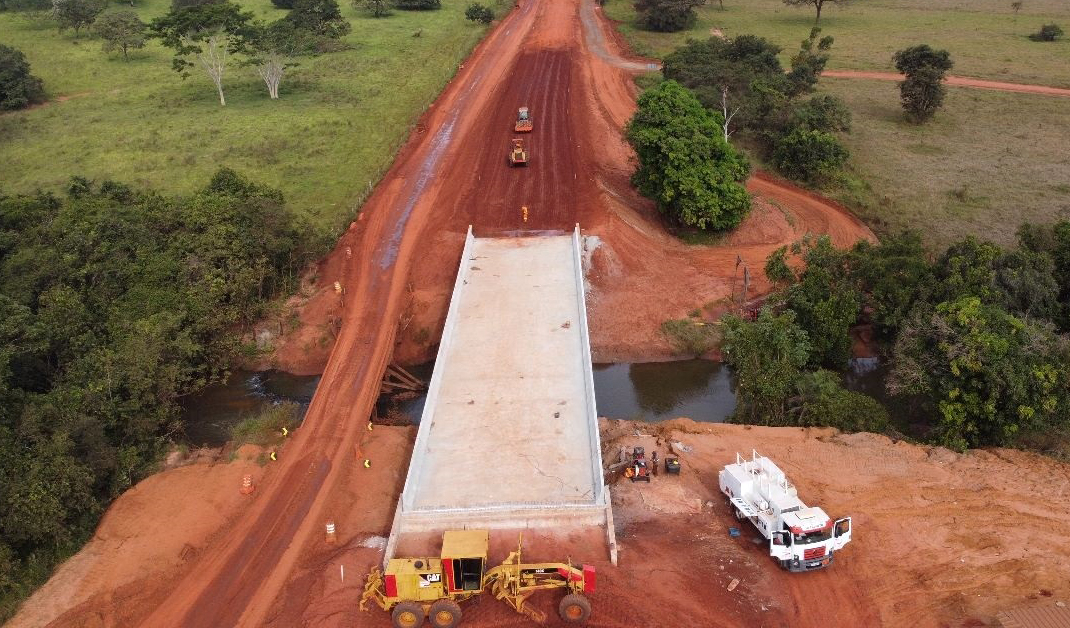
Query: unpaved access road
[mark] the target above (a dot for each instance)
(956, 81)
(266, 561)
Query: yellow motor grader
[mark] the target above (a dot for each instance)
(413, 589)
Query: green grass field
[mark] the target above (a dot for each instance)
(988, 160)
(985, 38)
(986, 163)
(339, 120)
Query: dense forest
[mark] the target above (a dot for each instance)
(114, 304)
(977, 337)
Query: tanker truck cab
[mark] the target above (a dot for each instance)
(801, 537)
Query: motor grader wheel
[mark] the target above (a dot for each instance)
(574, 608)
(407, 615)
(445, 614)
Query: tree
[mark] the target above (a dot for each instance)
(1048, 32)
(993, 376)
(667, 16)
(283, 4)
(685, 165)
(76, 13)
(810, 156)
(18, 88)
(923, 90)
(767, 356)
(210, 33)
(478, 13)
(1016, 6)
(273, 50)
(182, 4)
(808, 64)
(321, 17)
(821, 401)
(825, 299)
(121, 31)
(1053, 241)
(377, 8)
(893, 276)
(817, 4)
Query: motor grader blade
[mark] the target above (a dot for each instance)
(373, 590)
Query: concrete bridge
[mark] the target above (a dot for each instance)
(509, 438)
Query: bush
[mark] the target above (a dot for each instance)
(810, 156)
(320, 17)
(685, 164)
(667, 16)
(825, 113)
(418, 5)
(1048, 32)
(182, 4)
(478, 13)
(823, 402)
(265, 427)
(18, 88)
(689, 336)
(283, 4)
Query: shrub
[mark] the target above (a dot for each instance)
(478, 13)
(283, 4)
(18, 88)
(418, 5)
(1048, 32)
(667, 16)
(264, 428)
(824, 402)
(690, 337)
(825, 113)
(810, 156)
(923, 90)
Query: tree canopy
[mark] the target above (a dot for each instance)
(18, 88)
(685, 165)
(115, 303)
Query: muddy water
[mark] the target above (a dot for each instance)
(209, 416)
(654, 391)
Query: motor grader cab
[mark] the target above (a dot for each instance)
(413, 589)
(518, 156)
(524, 123)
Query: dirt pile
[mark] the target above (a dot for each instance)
(941, 539)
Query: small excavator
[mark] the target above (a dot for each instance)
(518, 156)
(413, 589)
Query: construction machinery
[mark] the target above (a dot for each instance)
(523, 121)
(801, 538)
(518, 156)
(638, 470)
(413, 589)
(672, 464)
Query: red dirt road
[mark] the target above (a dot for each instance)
(268, 561)
(956, 81)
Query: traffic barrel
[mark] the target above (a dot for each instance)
(247, 484)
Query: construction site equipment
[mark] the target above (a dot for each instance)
(415, 588)
(523, 121)
(801, 538)
(672, 464)
(518, 156)
(638, 470)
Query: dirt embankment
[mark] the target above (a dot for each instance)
(940, 539)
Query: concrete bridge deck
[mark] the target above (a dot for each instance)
(509, 433)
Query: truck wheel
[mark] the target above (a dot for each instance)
(574, 608)
(445, 614)
(408, 615)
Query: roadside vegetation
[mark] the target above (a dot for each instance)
(116, 302)
(978, 338)
(340, 116)
(265, 427)
(939, 177)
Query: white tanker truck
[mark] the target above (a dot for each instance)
(801, 538)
